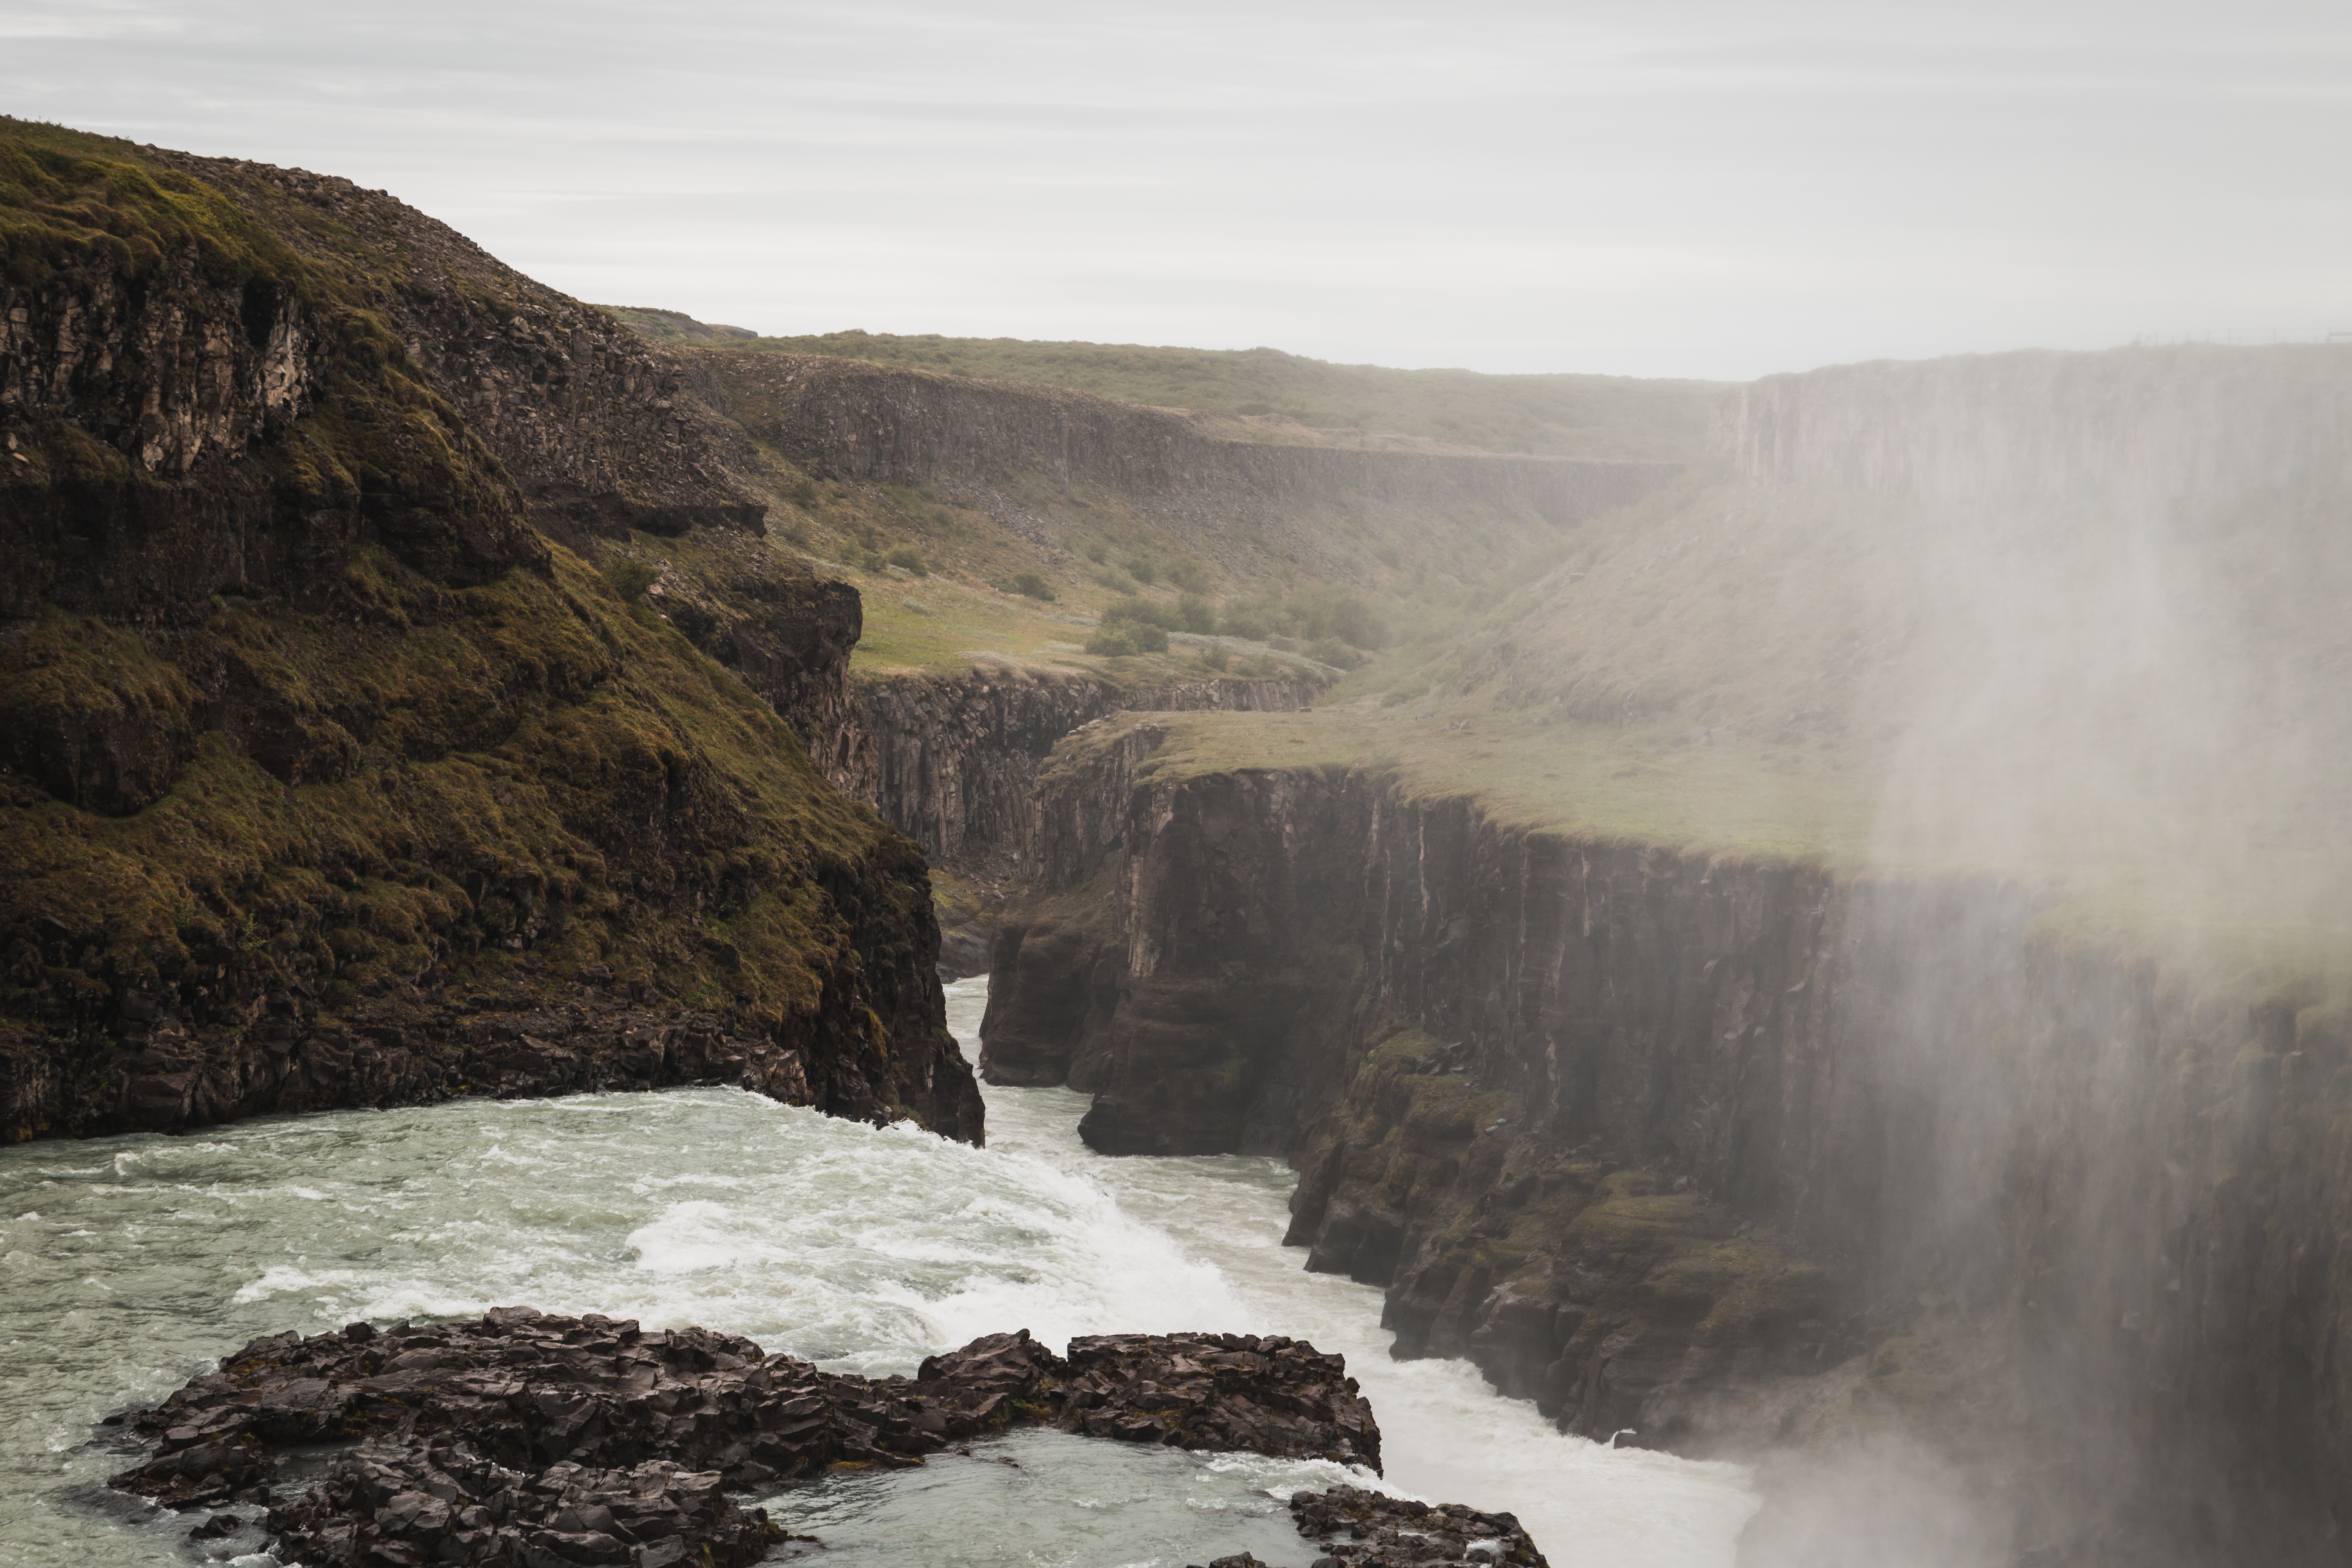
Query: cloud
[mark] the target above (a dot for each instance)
(1691, 188)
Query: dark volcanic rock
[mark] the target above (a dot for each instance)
(1222, 1392)
(1365, 1530)
(528, 1433)
(387, 1504)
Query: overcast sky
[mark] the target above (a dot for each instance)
(1654, 187)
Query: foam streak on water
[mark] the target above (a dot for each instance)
(129, 1262)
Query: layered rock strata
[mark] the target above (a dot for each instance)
(1256, 508)
(1725, 1152)
(526, 1436)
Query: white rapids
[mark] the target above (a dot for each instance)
(129, 1262)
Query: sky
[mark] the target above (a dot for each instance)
(1715, 188)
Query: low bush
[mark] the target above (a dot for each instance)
(1029, 585)
(1333, 652)
(1128, 638)
(905, 556)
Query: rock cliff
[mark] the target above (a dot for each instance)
(1256, 509)
(330, 774)
(952, 761)
(2150, 431)
(1726, 1151)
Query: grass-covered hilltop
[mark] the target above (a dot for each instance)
(333, 771)
(1280, 397)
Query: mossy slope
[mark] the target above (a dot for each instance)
(318, 752)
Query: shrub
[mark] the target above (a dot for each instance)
(1098, 554)
(804, 494)
(905, 556)
(1143, 571)
(1193, 615)
(1029, 585)
(1189, 575)
(1246, 620)
(1128, 638)
(1253, 408)
(1141, 612)
(630, 579)
(1214, 659)
(1333, 652)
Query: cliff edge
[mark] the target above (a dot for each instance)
(332, 776)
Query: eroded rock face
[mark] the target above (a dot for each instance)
(1727, 1153)
(319, 755)
(592, 422)
(952, 761)
(524, 1433)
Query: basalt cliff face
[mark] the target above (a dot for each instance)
(1729, 1154)
(1256, 507)
(953, 760)
(331, 775)
(2149, 431)
(1994, 1243)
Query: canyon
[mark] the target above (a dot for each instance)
(343, 767)
(1739, 1152)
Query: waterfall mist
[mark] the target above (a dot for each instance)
(2101, 692)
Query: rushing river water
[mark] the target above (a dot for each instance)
(129, 1263)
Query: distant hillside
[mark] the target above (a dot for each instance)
(1550, 416)
(677, 326)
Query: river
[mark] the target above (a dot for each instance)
(129, 1263)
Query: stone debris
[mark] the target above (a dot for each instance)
(535, 1439)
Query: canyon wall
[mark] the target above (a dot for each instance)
(951, 760)
(1729, 1152)
(329, 775)
(1258, 509)
(2147, 431)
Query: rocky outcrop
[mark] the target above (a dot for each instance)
(526, 1438)
(1367, 1530)
(1726, 1151)
(318, 757)
(590, 420)
(951, 760)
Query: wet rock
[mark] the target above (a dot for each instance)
(445, 1504)
(1366, 1530)
(510, 1434)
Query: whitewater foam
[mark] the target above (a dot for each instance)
(135, 1262)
